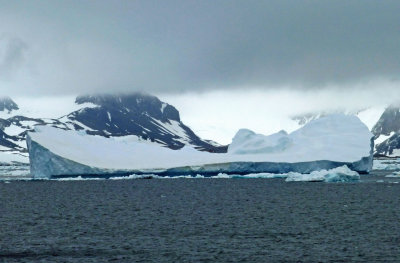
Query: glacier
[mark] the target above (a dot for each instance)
(326, 143)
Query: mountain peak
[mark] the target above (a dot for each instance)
(388, 122)
(7, 104)
(134, 102)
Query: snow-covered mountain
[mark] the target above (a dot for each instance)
(144, 117)
(135, 116)
(387, 133)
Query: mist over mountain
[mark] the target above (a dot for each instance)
(7, 105)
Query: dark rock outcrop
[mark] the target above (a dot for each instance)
(388, 127)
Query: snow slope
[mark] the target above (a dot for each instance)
(10, 158)
(326, 143)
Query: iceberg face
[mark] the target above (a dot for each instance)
(339, 174)
(326, 143)
(44, 164)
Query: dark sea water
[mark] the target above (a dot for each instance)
(199, 220)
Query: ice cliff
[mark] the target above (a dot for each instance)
(325, 143)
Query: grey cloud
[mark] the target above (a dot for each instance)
(175, 46)
(12, 51)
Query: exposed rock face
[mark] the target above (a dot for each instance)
(387, 133)
(137, 114)
(390, 147)
(388, 123)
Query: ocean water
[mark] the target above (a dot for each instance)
(200, 220)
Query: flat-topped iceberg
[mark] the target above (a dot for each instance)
(325, 143)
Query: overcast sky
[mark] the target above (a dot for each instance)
(188, 49)
(68, 47)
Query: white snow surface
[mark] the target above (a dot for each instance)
(395, 153)
(13, 130)
(8, 157)
(339, 174)
(339, 138)
(163, 105)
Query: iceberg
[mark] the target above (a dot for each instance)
(339, 174)
(326, 143)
